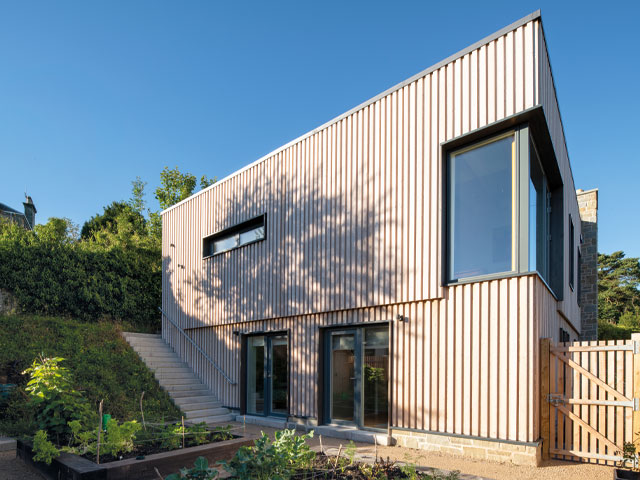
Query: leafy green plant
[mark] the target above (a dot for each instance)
(279, 459)
(51, 390)
(221, 434)
(44, 450)
(82, 441)
(350, 451)
(200, 471)
(119, 437)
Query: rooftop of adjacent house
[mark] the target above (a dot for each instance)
(489, 38)
(8, 209)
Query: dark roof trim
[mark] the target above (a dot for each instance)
(518, 23)
(8, 209)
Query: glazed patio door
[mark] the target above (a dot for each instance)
(267, 375)
(357, 367)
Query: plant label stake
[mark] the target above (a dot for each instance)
(99, 432)
(183, 431)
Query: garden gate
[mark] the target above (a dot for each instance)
(589, 405)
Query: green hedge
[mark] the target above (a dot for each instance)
(104, 367)
(50, 274)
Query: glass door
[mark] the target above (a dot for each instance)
(267, 375)
(357, 364)
(343, 376)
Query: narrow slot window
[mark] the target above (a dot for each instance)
(237, 236)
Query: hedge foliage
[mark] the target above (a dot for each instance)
(102, 365)
(113, 275)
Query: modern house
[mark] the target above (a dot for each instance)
(26, 219)
(393, 270)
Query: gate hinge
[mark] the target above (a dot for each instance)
(636, 347)
(555, 398)
(636, 404)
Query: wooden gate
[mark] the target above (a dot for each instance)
(589, 399)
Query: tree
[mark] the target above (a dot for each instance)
(137, 201)
(109, 219)
(174, 187)
(618, 287)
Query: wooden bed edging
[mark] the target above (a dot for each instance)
(74, 467)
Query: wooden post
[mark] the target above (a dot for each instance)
(99, 433)
(635, 430)
(545, 344)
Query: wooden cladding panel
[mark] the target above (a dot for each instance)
(353, 209)
(548, 99)
(463, 364)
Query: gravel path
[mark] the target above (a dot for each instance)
(12, 468)
(553, 470)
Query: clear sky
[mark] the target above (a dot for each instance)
(93, 94)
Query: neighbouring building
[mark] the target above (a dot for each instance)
(393, 270)
(26, 219)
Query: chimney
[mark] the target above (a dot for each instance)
(30, 212)
(588, 263)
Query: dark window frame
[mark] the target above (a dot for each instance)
(240, 228)
(534, 136)
(572, 254)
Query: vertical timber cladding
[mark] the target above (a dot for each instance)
(462, 365)
(354, 208)
(353, 224)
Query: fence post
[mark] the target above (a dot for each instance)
(635, 429)
(545, 344)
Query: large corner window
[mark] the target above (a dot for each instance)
(482, 211)
(237, 236)
(503, 210)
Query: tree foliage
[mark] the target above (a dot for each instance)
(114, 216)
(618, 296)
(618, 286)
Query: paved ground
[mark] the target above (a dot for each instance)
(12, 468)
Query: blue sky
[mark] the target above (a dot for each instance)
(93, 94)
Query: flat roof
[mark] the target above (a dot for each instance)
(423, 73)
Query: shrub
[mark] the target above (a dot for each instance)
(115, 277)
(44, 450)
(51, 391)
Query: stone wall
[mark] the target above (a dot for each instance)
(588, 287)
(519, 453)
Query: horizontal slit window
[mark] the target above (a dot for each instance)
(245, 233)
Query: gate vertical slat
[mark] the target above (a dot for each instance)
(584, 393)
(635, 428)
(620, 387)
(628, 391)
(553, 412)
(611, 411)
(576, 430)
(561, 416)
(602, 414)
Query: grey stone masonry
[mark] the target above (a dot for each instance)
(588, 286)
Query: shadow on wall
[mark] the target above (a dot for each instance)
(332, 243)
(323, 251)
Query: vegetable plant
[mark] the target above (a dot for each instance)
(200, 471)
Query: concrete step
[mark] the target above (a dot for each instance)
(148, 344)
(197, 405)
(207, 412)
(158, 355)
(192, 380)
(132, 335)
(193, 388)
(162, 362)
(162, 375)
(216, 419)
(194, 398)
(182, 369)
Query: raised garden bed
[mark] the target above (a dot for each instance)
(74, 467)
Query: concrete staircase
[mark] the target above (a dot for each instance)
(185, 389)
